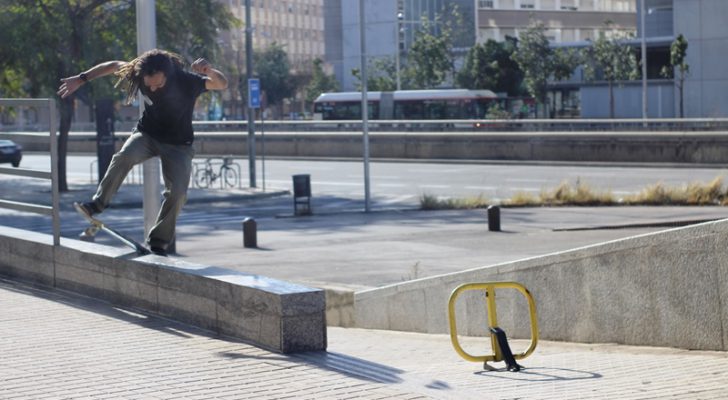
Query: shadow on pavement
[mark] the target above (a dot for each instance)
(539, 374)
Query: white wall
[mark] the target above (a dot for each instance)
(703, 23)
(381, 17)
(628, 101)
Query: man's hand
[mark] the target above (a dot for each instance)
(201, 66)
(72, 83)
(69, 85)
(215, 79)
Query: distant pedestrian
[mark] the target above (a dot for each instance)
(164, 130)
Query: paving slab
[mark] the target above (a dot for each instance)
(61, 346)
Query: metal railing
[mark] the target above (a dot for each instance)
(53, 209)
(454, 125)
(480, 125)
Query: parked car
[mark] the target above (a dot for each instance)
(10, 152)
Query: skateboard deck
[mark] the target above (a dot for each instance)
(98, 225)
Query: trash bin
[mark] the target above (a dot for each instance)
(302, 194)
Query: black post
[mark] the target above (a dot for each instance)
(250, 233)
(494, 218)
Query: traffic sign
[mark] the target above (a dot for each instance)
(254, 93)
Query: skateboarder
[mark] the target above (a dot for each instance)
(164, 130)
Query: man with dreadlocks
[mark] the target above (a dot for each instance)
(164, 130)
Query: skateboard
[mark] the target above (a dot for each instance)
(97, 225)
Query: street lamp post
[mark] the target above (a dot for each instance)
(147, 40)
(364, 104)
(400, 17)
(249, 75)
(644, 59)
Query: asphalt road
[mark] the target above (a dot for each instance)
(400, 184)
(342, 245)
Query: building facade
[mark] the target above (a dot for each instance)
(391, 26)
(702, 23)
(297, 25)
(565, 20)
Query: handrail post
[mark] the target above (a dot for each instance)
(55, 195)
(53, 209)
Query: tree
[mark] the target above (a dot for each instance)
(53, 39)
(429, 58)
(565, 61)
(274, 71)
(535, 58)
(615, 61)
(479, 71)
(489, 66)
(678, 53)
(381, 75)
(320, 82)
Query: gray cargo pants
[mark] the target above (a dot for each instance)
(176, 169)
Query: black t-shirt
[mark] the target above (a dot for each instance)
(169, 116)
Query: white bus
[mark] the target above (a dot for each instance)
(407, 105)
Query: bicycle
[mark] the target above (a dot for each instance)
(205, 177)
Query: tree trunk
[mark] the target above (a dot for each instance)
(680, 88)
(68, 104)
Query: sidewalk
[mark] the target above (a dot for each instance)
(59, 346)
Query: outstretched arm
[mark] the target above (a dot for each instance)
(72, 83)
(216, 80)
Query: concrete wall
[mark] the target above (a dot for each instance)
(668, 288)
(668, 147)
(269, 313)
(381, 35)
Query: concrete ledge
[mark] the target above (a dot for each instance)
(277, 315)
(654, 147)
(667, 288)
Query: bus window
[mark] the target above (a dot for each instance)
(409, 110)
(457, 109)
(345, 110)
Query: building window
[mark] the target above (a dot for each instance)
(526, 4)
(485, 3)
(488, 33)
(569, 35)
(548, 4)
(569, 5)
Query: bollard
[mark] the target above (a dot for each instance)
(250, 233)
(494, 218)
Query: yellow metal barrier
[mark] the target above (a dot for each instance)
(490, 288)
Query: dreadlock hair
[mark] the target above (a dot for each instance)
(131, 75)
